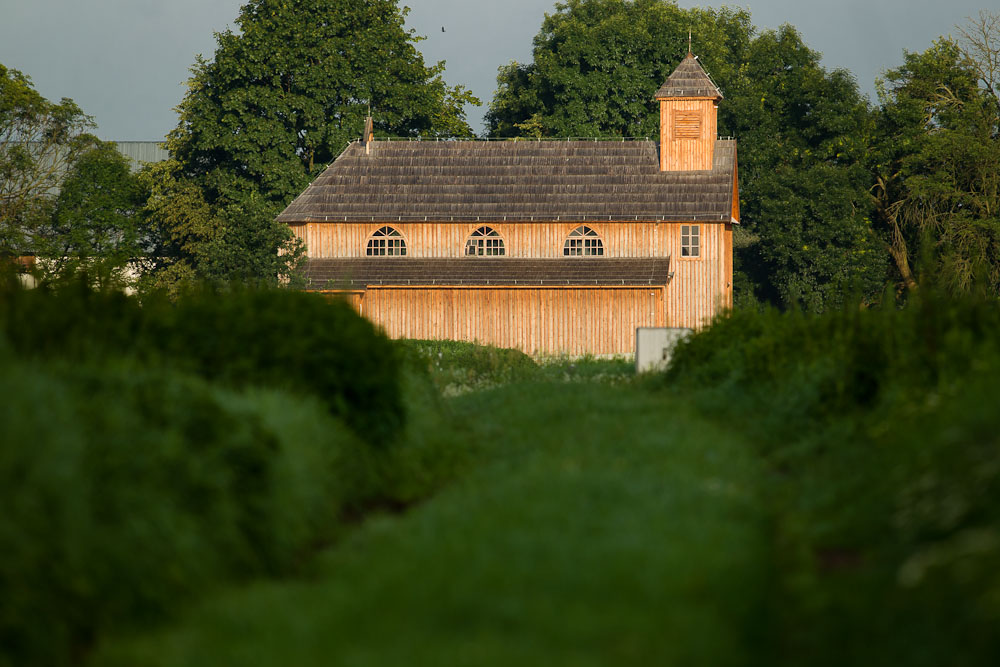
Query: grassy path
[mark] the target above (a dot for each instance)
(599, 526)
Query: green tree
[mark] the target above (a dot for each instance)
(181, 226)
(39, 140)
(937, 184)
(597, 64)
(803, 136)
(280, 100)
(95, 226)
(806, 237)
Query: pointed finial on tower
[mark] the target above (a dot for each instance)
(689, 41)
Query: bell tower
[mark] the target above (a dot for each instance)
(689, 106)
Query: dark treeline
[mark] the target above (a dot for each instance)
(840, 195)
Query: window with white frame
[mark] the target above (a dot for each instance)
(690, 240)
(583, 241)
(386, 241)
(485, 241)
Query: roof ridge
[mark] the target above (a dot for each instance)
(689, 79)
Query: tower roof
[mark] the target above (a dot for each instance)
(689, 80)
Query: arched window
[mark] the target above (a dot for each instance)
(485, 241)
(583, 241)
(386, 241)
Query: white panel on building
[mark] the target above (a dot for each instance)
(655, 345)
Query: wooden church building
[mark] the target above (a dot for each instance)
(553, 247)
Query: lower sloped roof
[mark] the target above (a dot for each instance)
(469, 181)
(504, 271)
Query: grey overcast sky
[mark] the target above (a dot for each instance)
(125, 61)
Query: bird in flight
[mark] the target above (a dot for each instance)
(442, 28)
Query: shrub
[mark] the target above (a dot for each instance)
(127, 490)
(456, 366)
(267, 338)
(793, 366)
(155, 450)
(885, 473)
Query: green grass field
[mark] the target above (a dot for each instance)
(595, 527)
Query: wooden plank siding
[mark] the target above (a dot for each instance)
(537, 320)
(681, 149)
(700, 287)
(521, 239)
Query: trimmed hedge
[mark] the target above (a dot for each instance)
(882, 435)
(127, 491)
(154, 450)
(269, 338)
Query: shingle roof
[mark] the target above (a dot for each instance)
(360, 273)
(689, 80)
(470, 181)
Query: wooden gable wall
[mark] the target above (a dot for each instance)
(543, 321)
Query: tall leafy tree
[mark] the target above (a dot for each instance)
(182, 227)
(39, 141)
(806, 237)
(281, 99)
(597, 64)
(95, 226)
(803, 134)
(936, 157)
